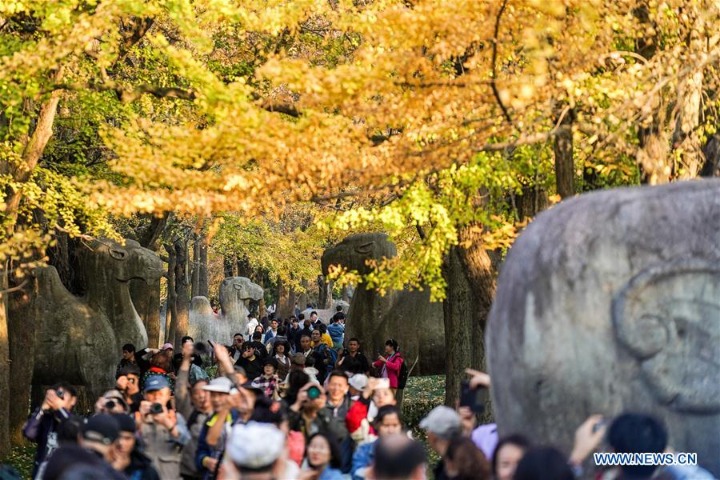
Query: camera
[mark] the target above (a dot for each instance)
(60, 393)
(313, 393)
(156, 409)
(110, 404)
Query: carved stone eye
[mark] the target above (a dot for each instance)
(118, 254)
(365, 248)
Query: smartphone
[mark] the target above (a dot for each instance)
(474, 398)
(602, 423)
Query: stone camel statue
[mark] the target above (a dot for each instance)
(235, 294)
(108, 268)
(607, 303)
(406, 316)
(73, 341)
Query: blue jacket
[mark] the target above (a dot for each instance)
(331, 474)
(362, 458)
(336, 331)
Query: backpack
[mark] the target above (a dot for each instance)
(403, 375)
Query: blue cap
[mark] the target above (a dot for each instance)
(156, 382)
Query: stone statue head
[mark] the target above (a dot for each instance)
(668, 318)
(355, 250)
(124, 262)
(610, 303)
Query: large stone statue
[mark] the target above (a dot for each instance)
(407, 316)
(73, 341)
(108, 269)
(235, 294)
(326, 314)
(607, 303)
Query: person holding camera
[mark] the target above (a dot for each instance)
(163, 430)
(44, 424)
(308, 414)
(216, 430)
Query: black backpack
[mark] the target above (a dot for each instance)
(403, 375)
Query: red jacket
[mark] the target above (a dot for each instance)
(392, 365)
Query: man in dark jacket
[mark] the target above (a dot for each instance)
(250, 362)
(44, 424)
(353, 360)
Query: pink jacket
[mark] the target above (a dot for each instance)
(392, 366)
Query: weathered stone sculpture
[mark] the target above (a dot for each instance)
(73, 341)
(607, 303)
(407, 316)
(326, 314)
(235, 294)
(108, 269)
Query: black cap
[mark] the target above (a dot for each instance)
(126, 423)
(101, 428)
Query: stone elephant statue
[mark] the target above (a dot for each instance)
(610, 302)
(407, 316)
(235, 294)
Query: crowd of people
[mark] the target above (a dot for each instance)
(295, 400)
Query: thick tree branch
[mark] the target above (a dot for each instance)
(285, 108)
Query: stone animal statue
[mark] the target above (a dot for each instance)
(74, 341)
(406, 316)
(108, 268)
(326, 314)
(609, 303)
(235, 294)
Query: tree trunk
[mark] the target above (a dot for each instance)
(151, 235)
(532, 200)
(182, 289)
(686, 138)
(324, 293)
(4, 364)
(200, 286)
(653, 154)
(228, 266)
(284, 306)
(20, 173)
(564, 162)
(302, 299)
(172, 313)
(458, 308)
(470, 278)
(22, 346)
(244, 269)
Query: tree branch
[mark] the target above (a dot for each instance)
(127, 96)
(15, 289)
(285, 108)
(493, 76)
